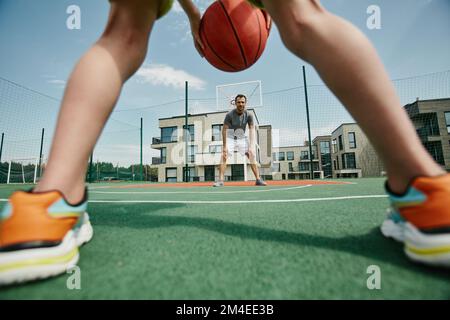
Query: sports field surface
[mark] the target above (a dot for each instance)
(297, 240)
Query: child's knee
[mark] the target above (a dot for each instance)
(296, 19)
(129, 46)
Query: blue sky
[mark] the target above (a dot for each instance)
(38, 51)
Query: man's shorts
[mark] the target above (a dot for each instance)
(167, 5)
(239, 145)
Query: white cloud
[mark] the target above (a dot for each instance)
(57, 82)
(160, 74)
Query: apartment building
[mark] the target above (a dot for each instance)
(294, 162)
(431, 118)
(204, 149)
(352, 154)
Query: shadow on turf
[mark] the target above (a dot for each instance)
(371, 245)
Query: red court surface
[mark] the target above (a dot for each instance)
(230, 184)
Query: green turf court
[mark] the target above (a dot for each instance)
(278, 242)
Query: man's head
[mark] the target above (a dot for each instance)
(240, 101)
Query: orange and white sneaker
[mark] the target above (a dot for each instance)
(40, 234)
(420, 218)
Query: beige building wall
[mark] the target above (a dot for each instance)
(284, 172)
(368, 164)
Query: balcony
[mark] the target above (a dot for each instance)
(156, 143)
(156, 161)
(425, 132)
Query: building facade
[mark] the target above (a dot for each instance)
(295, 163)
(352, 154)
(431, 118)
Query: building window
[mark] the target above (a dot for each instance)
(325, 158)
(341, 145)
(276, 167)
(171, 174)
(315, 166)
(334, 146)
(290, 155)
(168, 134)
(291, 168)
(447, 121)
(215, 149)
(432, 125)
(191, 174)
(163, 155)
(343, 161)
(192, 150)
(191, 132)
(350, 160)
(281, 156)
(217, 132)
(274, 156)
(304, 155)
(337, 162)
(352, 140)
(435, 149)
(324, 147)
(335, 167)
(237, 172)
(303, 166)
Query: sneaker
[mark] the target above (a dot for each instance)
(218, 184)
(420, 218)
(39, 235)
(260, 182)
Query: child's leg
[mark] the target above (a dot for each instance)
(92, 91)
(350, 67)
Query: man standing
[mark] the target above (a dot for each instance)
(233, 137)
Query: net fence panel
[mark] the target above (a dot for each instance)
(25, 112)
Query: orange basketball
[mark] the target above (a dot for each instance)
(234, 34)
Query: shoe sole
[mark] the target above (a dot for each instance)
(393, 230)
(34, 264)
(428, 249)
(432, 250)
(85, 233)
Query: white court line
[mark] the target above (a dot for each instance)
(238, 201)
(162, 185)
(196, 192)
(234, 201)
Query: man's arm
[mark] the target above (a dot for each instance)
(224, 135)
(194, 18)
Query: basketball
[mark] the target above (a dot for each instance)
(234, 34)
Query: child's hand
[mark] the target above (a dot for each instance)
(195, 30)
